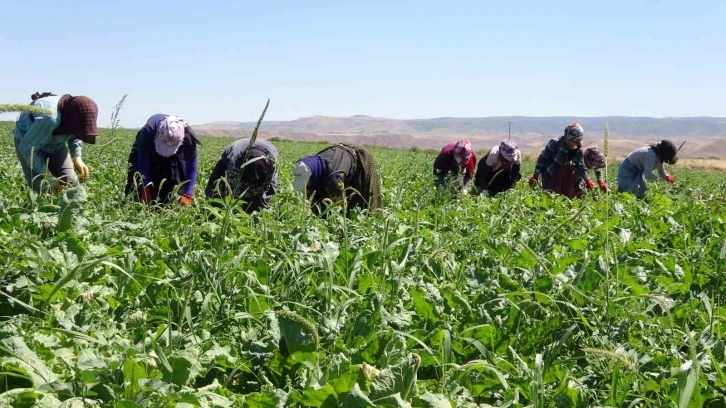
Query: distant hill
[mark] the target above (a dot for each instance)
(706, 135)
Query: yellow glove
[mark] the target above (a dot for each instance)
(81, 168)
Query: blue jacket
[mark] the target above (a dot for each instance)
(34, 136)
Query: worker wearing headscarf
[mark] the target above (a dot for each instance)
(638, 167)
(595, 161)
(163, 161)
(455, 159)
(499, 170)
(562, 166)
(253, 180)
(339, 170)
(52, 142)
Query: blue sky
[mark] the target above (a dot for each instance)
(220, 60)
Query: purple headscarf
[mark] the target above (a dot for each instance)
(317, 167)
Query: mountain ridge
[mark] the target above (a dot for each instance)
(706, 135)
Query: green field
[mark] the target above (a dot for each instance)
(525, 300)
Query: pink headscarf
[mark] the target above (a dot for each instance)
(170, 135)
(463, 151)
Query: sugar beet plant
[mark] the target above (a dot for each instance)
(436, 301)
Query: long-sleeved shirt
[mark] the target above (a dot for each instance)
(232, 160)
(146, 150)
(555, 155)
(492, 163)
(446, 162)
(646, 159)
(339, 159)
(36, 135)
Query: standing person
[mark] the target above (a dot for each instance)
(165, 156)
(499, 170)
(458, 159)
(638, 167)
(255, 183)
(337, 170)
(595, 160)
(562, 166)
(53, 141)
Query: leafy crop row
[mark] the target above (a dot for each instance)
(526, 299)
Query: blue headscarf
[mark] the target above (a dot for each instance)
(317, 167)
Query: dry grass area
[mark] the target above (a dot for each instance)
(709, 165)
(713, 165)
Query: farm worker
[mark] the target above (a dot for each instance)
(52, 141)
(337, 170)
(255, 182)
(458, 159)
(163, 161)
(595, 160)
(499, 170)
(562, 166)
(639, 165)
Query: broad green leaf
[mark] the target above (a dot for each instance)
(399, 378)
(392, 401)
(429, 400)
(18, 354)
(88, 360)
(79, 402)
(126, 404)
(394, 352)
(317, 397)
(356, 399)
(299, 334)
(28, 398)
(273, 399)
(184, 368)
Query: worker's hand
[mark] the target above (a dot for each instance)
(81, 168)
(589, 184)
(465, 191)
(58, 187)
(670, 179)
(145, 194)
(185, 200)
(533, 180)
(603, 186)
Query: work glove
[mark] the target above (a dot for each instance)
(533, 180)
(185, 200)
(670, 179)
(145, 194)
(81, 168)
(465, 191)
(603, 186)
(589, 184)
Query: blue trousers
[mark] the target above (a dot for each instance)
(631, 179)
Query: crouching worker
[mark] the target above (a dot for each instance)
(595, 160)
(499, 170)
(337, 171)
(254, 182)
(638, 167)
(562, 166)
(455, 159)
(51, 142)
(163, 161)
